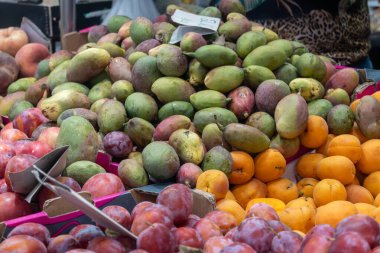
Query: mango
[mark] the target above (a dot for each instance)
(224, 78)
(132, 173)
(100, 90)
(141, 29)
(266, 56)
(285, 45)
(171, 61)
(81, 171)
(269, 93)
(269, 34)
(121, 90)
(81, 137)
(87, 46)
(102, 77)
(246, 138)
(119, 69)
(212, 136)
(154, 51)
(71, 86)
(287, 147)
(262, 121)
(310, 65)
(37, 91)
(191, 41)
(164, 32)
(53, 106)
(89, 115)
(169, 89)
(309, 88)
(42, 69)
(197, 73)
(142, 106)
(208, 98)
(140, 131)
(111, 116)
(228, 6)
(169, 125)
(18, 108)
(59, 57)
(133, 57)
(147, 45)
(347, 79)
(87, 64)
(319, 107)
(242, 102)
(176, 108)
(291, 116)
(248, 42)
(368, 117)
(338, 96)
(212, 56)
(96, 32)
(233, 29)
(211, 11)
(21, 84)
(98, 103)
(294, 59)
(58, 75)
(254, 75)
(299, 48)
(137, 156)
(218, 158)
(216, 115)
(340, 120)
(113, 49)
(115, 22)
(188, 146)
(144, 73)
(330, 71)
(160, 160)
(286, 73)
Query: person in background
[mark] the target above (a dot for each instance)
(339, 29)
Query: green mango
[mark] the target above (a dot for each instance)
(176, 108)
(218, 158)
(208, 98)
(319, 107)
(188, 146)
(58, 75)
(121, 90)
(285, 45)
(81, 171)
(262, 121)
(340, 120)
(197, 73)
(224, 78)
(266, 56)
(216, 115)
(140, 131)
(309, 88)
(212, 56)
(169, 89)
(71, 86)
(248, 42)
(100, 90)
(111, 116)
(21, 84)
(312, 66)
(142, 106)
(254, 75)
(141, 29)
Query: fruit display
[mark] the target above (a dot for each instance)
(223, 113)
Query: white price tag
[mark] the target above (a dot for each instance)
(189, 19)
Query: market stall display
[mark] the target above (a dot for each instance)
(285, 141)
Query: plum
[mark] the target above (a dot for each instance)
(364, 225)
(318, 239)
(188, 237)
(224, 220)
(22, 244)
(3, 186)
(12, 135)
(6, 153)
(188, 174)
(96, 185)
(128, 243)
(84, 233)
(278, 226)
(61, 244)
(105, 244)
(35, 230)
(263, 211)
(238, 247)
(179, 199)
(120, 215)
(257, 233)
(80, 251)
(46, 194)
(286, 242)
(157, 238)
(13, 206)
(49, 136)
(139, 208)
(117, 144)
(191, 220)
(349, 242)
(230, 234)
(39, 149)
(153, 214)
(216, 244)
(18, 163)
(207, 229)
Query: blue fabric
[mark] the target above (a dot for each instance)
(366, 63)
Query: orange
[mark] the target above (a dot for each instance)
(354, 105)
(276, 204)
(356, 132)
(300, 202)
(243, 167)
(370, 160)
(229, 195)
(333, 212)
(298, 218)
(306, 186)
(214, 182)
(231, 207)
(337, 167)
(250, 190)
(346, 145)
(270, 165)
(316, 132)
(358, 194)
(328, 190)
(372, 183)
(282, 189)
(365, 208)
(306, 166)
(323, 149)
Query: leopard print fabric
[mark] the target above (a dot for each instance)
(344, 37)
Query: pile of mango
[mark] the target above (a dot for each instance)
(229, 107)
